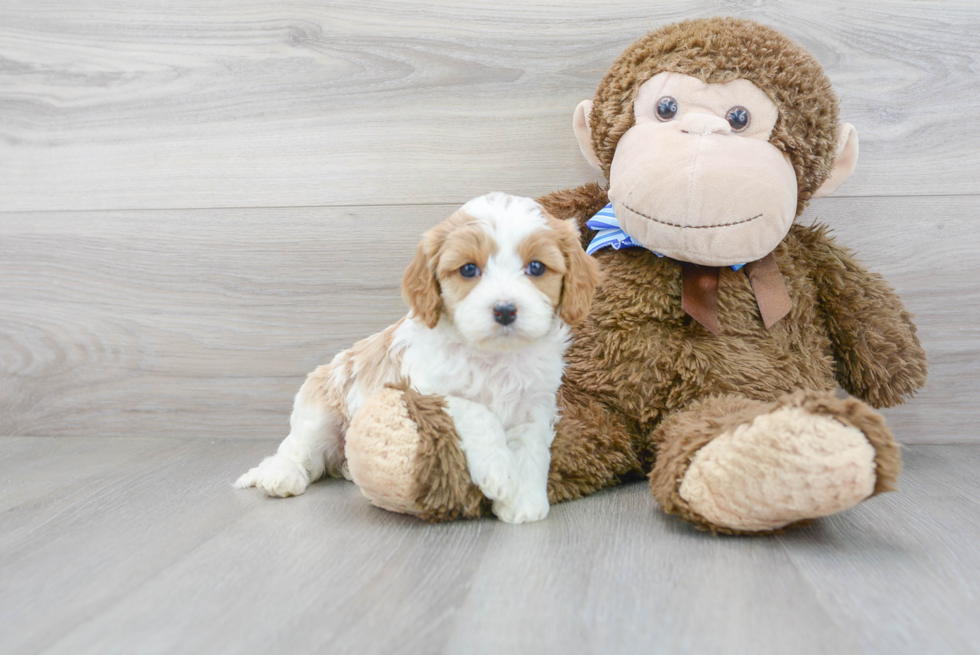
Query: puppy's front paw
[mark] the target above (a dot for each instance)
(491, 473)
(524, 509)
(276, 476)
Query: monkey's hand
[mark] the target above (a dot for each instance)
(879, 357)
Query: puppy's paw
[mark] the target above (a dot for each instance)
(491, 473)
(276, 476)
(524, 509)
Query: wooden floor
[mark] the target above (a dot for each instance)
(141, 545)
(201, 200)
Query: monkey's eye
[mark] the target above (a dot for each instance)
(536, 269)
(739, 118)
(666, 108)
(469, 270)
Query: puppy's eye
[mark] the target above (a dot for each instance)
(666, 108)
(739, 118)
(469, 270)
(536, 269)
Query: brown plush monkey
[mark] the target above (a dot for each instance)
(721, 329)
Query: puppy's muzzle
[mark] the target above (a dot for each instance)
(505, 313)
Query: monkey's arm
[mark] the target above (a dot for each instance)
(879, 357)
(579, 204)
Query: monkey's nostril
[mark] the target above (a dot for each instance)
(505, 313)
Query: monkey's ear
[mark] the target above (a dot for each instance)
(583, 133)
(844, 162)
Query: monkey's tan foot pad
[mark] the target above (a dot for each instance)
(403, 453)
(782, 467)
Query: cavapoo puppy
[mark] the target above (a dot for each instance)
(492, 291)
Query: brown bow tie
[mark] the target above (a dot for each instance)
(699, 292)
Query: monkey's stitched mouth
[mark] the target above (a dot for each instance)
(691, 227)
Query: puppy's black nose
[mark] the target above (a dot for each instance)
(505, 314)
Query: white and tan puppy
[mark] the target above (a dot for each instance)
(492, 291)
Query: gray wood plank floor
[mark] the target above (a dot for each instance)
(141, 545)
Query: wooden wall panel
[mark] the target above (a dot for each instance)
(185, 104)
(194, 323)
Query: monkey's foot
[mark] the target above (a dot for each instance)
(807, 456)
(403, 453)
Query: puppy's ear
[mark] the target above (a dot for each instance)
(582, 275)
(420, 288)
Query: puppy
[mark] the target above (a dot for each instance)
(492, 291)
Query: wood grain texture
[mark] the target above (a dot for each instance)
(204, 323)
(164, 556)
(155, 322)
(70, 552)
(141, 104)
(612, 574)
(35, 469)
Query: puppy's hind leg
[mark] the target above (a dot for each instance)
(314, 445)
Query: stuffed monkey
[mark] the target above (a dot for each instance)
(721, 329)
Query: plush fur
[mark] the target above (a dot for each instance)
(427, 477)
(640, 359)
(681, 437)
(784, 465)
(496, 377)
